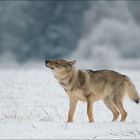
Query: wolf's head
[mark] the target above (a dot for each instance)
(60, 66)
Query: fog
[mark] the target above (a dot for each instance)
(98, 34)
(112, 39)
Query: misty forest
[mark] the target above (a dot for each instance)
(34, 30)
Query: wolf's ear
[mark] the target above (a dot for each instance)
(71, 63)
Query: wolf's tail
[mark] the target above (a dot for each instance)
(131, 90)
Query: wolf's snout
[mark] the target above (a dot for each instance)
(46, 62)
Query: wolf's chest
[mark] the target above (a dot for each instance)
(77, 94)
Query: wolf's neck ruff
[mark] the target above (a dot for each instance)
(63, 78)
(68, 80)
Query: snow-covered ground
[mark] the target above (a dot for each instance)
(34, 105)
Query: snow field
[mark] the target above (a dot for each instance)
(34, 105)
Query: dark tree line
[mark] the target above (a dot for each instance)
(40, 29)
(51, 29)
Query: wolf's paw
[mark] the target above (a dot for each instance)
(69, 121)
(91, 121)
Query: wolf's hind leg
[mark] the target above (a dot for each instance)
(119, 105)
(112, 108)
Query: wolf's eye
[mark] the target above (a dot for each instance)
(57, 65)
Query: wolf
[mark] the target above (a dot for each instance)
(90, 86)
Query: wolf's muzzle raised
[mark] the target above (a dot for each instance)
(46, 62)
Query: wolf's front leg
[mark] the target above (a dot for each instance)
(72, 107)
(90, 108)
